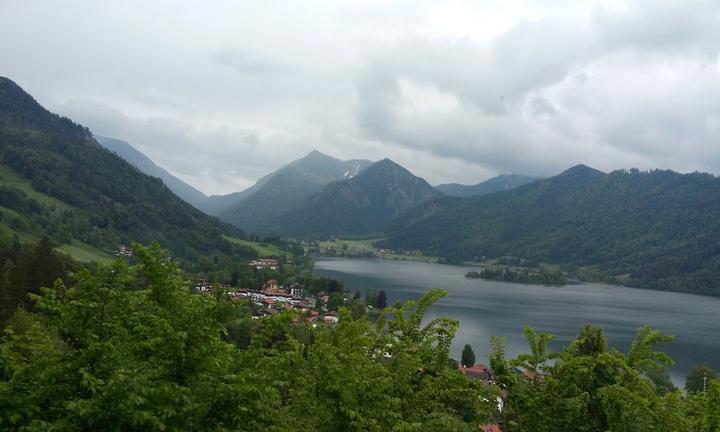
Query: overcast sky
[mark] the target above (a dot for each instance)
(223, 92)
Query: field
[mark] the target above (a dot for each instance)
(263, 249)
(358, 245)
(10, 178)
(83, 252)
(361, 247)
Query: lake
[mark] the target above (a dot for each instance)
(487, 308)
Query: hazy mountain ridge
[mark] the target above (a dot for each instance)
(491, 185)
(126, 151)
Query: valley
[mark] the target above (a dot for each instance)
(130, 299)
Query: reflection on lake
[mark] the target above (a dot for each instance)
(487, 308)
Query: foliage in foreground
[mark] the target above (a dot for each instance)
(591, 387)
(129, 348)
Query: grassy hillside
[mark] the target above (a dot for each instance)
(83, 252)
(263, 249)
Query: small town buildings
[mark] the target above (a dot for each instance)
(202, 286)
(260, 264)
(272, 289)
(478, 372)
(331, 317)
(296, 290)
(324, 296)
(124, 251)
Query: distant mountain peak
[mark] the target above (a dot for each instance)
(316, 154)
(386, 165)
(581, 169)
(361, 205)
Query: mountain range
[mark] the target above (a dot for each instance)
(657, 229)
(317, 195)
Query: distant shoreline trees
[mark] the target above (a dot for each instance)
(542, 277)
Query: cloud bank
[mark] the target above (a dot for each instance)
(222, 93)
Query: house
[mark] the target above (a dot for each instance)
(490, 427)
(272, 289)
(478, 372)
(296, 290)
(260, 264)
(271, 284)
(331, 317)
(314, 315)
(124, 251)
(202, 286)
(531, 375)
(324, 296)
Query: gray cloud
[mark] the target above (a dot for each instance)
(223, 93)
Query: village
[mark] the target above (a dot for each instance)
(273, 298)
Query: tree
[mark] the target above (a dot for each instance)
(590, 387)
(234, 278)
(381, 301)
(335, 300)
(699, 379)
(152, 356)
(468, 356)
(357, 309)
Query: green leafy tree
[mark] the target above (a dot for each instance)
(589, 387)
(335, 301)
(699, 378)
(467, 358)
(381, 301)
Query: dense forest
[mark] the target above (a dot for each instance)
(76, 189)
(656, 229)
(130, 348)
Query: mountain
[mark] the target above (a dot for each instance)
(56, 180)
(494, 184)
(257, 209)
(146, 165)
(656, 229)
(362, 205)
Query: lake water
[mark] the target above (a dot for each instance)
(487, 308)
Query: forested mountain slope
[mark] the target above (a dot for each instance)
(126, 151)
(74, 189)
(656, 229)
